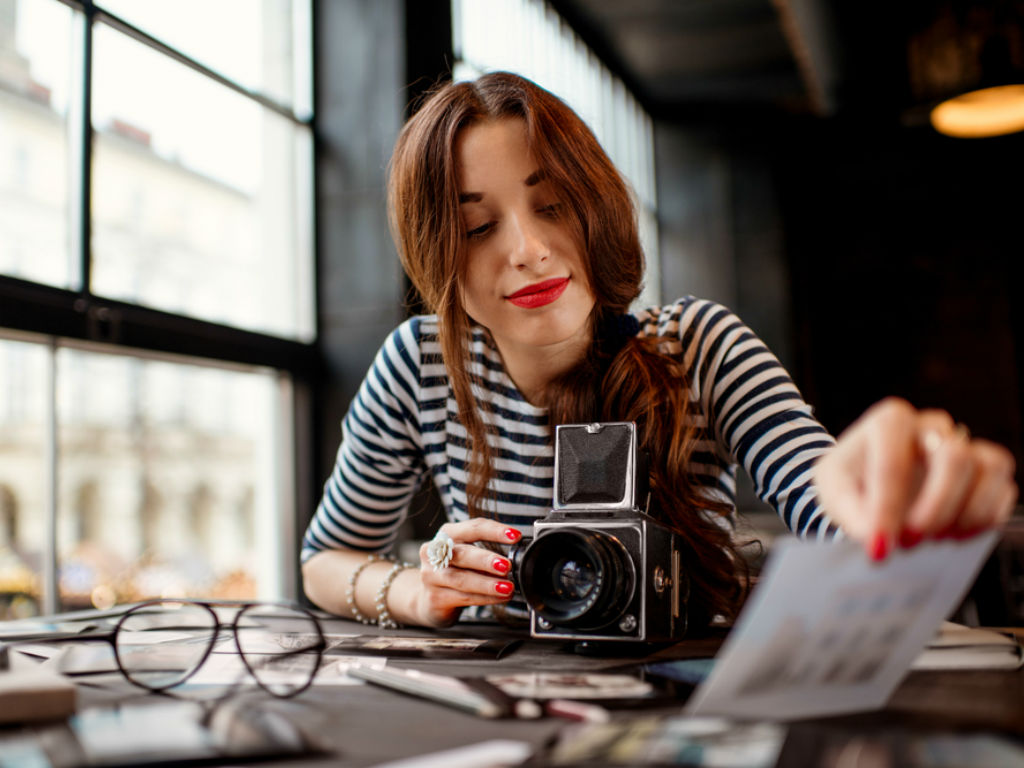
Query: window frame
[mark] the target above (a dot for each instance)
(54, 316)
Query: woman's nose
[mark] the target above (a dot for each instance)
(529, 245)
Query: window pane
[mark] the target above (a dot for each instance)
(23, 478)
(263, 46)
(166, 482)
(201, 197)
(35, 62)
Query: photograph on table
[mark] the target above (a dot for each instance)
(427, 647)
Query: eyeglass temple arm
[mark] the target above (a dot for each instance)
(5, 654)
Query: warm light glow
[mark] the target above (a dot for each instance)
(103, 597)
(978, 114)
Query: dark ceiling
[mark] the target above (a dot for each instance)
(823, 57)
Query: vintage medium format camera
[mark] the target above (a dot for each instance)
(598, 567)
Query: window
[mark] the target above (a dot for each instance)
(192, 178)
(22, 455)
(35, 86)
(157, 313)
(529, 38)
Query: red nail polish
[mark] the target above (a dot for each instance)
(879, 547)
(968, 533)
(910, 538)
(504, 587)
(500, 565)
(512, 534)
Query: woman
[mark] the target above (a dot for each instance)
(520, 236)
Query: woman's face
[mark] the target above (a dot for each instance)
(524, 278)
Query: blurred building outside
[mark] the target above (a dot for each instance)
(164, 468)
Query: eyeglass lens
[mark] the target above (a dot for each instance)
(159, 645)
(281, 647)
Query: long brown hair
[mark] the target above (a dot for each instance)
(631, 380)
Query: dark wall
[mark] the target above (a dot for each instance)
(720, 228)
(904, 250)
(360, 62)
(374, 58)
(874, 260)
(720, 232)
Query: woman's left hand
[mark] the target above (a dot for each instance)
(899, 475)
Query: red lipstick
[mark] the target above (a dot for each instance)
(539, 294)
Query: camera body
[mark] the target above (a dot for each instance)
(598, 567)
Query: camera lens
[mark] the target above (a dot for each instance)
(572, 579)
(577, 578)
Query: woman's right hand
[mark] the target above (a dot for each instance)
(475, 575)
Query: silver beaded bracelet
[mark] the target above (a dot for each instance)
(383, 619)
(350, 592)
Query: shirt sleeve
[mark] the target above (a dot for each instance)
(380, 461)
(759, 417)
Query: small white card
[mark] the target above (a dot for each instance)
(827, 631)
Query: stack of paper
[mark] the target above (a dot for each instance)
(960, 647)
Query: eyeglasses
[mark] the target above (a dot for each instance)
(160, 644)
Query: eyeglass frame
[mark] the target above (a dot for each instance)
(243, 605)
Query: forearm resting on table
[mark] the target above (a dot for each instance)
(326, 578)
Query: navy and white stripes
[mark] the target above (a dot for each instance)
(403, 425)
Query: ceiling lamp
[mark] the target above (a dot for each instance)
(994, 111)
(967, 63)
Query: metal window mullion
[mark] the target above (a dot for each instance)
(50, 565)
(285, 490)
(85, 145)
(77, 138)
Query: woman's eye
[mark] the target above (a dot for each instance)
(554, 209)
(480, 231)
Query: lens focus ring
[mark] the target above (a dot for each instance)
(578, 578)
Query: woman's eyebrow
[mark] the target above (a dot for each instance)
(532, 180)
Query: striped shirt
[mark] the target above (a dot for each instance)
(403, 425)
